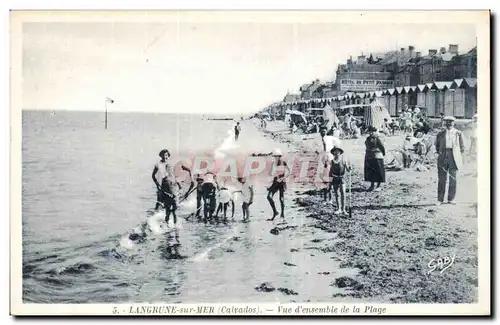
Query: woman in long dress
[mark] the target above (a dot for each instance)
(374, 160)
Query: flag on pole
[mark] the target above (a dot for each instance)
(108, 100)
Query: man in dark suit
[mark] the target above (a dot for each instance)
(449, 147)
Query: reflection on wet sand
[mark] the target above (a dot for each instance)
(170, 251)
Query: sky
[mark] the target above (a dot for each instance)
(201, 67)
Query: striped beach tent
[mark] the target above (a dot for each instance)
(375, 114)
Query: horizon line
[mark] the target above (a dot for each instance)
(134, 111)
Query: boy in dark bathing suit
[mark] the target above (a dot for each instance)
(280, 168)
(208, 191)
(169, 190)
(339, 165)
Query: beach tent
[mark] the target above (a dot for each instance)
(296, 116)
(375, 114)
(329, 116)
(315, 111)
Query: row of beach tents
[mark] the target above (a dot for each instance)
(457, 98)
(374, 115)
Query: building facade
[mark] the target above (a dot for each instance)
(408, 67)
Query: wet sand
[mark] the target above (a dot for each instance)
(396, 237)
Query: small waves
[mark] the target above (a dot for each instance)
(147, 261)
(205, 254)
(76, 269)
(228, 144)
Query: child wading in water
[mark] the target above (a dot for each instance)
(224, 197)
(338, 166)
(247, 197)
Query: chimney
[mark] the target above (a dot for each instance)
(442, 50)
(432, 52)
(453, 49)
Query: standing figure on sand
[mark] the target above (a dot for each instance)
(167, 185)
(449, 148)
(237, 130)
(224, 197)
(374, 170)
(339, 165)
(209, 192)
(247, 193)
(280, 170)
(324, 150)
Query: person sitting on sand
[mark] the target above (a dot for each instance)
(385, 128)
(356, 131)
(336, 131)
(421, 127)
(338, 166)
(408, 150)
(280, 169)
(416, 111)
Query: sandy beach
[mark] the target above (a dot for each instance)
(396, 237)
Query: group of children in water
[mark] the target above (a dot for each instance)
(214, 197)
(208, 193)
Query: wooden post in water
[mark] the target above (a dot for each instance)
(106, 114)
(106, 100)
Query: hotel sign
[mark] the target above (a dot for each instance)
(365, 85)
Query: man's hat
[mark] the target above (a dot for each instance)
(449, 118)
(338, 149)
(372, 129)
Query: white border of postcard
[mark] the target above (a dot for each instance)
(481, 19)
